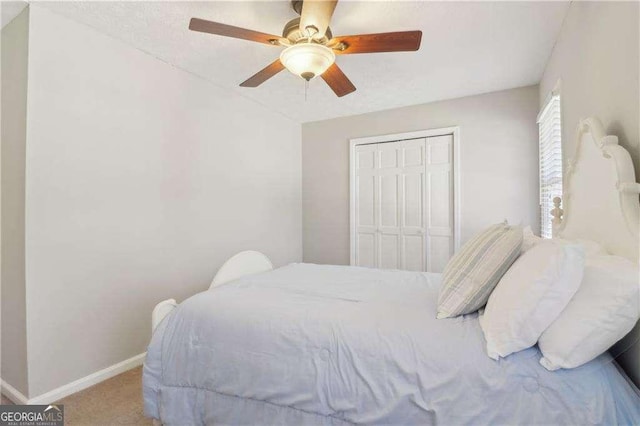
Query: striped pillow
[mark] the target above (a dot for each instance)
(473, 272)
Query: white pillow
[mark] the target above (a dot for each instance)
(529, 239)
(591, 248)
(530, 296)
(604, 310)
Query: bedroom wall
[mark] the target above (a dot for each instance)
(596, 59)
(15, 34)
(141, 180)
(498, 159)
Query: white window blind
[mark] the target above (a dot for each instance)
(550, 137)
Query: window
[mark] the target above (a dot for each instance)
(550, 138)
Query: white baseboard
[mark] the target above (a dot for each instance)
(75, 386)
(13, 394)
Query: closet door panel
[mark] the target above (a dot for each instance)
(388, 155)
(413, 153)
(413, 185)
(413, 204)
(389, 250)
(439, 193)
(439, 201)
(440, 149)
(439, 252)
(389, 201)
(366, 200)
(389, 205)
(366, 186)
(413, 200)
(365, 158)
(366, 249)
(414, 252)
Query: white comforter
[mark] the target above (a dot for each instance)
(331, 344)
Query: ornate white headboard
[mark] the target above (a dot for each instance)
(600, 195)
(601, 204)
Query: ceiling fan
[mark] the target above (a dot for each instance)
(310, 47)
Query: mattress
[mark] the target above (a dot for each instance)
(319, 344)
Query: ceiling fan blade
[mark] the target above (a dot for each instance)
(373, 43)
(217, 28)
(338, 82)
(263, 75)
(317, 13)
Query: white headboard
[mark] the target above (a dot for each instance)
(601, 204)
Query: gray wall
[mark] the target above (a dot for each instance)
(14, 126)
(141, 180)
(596, 60)
(498, 160)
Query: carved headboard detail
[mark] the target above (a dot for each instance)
(600, 199)
(600, 203)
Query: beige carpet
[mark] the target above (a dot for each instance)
(117, 401)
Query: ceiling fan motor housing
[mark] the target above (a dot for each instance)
(293, 33)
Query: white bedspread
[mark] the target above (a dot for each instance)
(332, 344)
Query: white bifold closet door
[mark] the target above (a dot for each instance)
(404, 204)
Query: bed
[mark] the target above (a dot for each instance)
(323, 344)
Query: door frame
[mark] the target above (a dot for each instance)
(395, 137)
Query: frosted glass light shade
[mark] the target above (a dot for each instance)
(308, 60)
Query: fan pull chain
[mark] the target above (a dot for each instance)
(306, 89)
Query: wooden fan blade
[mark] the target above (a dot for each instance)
(217, 28)
(338, 82)
(263, 75)
(317, 13)
(404, 41)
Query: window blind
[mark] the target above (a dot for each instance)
(550, 138)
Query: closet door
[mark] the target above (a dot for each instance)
(403, 204)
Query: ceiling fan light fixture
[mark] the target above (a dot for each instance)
(307, 60)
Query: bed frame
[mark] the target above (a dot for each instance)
(241, 264)
(600, 204)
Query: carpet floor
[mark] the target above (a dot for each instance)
(117, 401)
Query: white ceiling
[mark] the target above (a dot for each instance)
(9, 10)
(467, 48)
